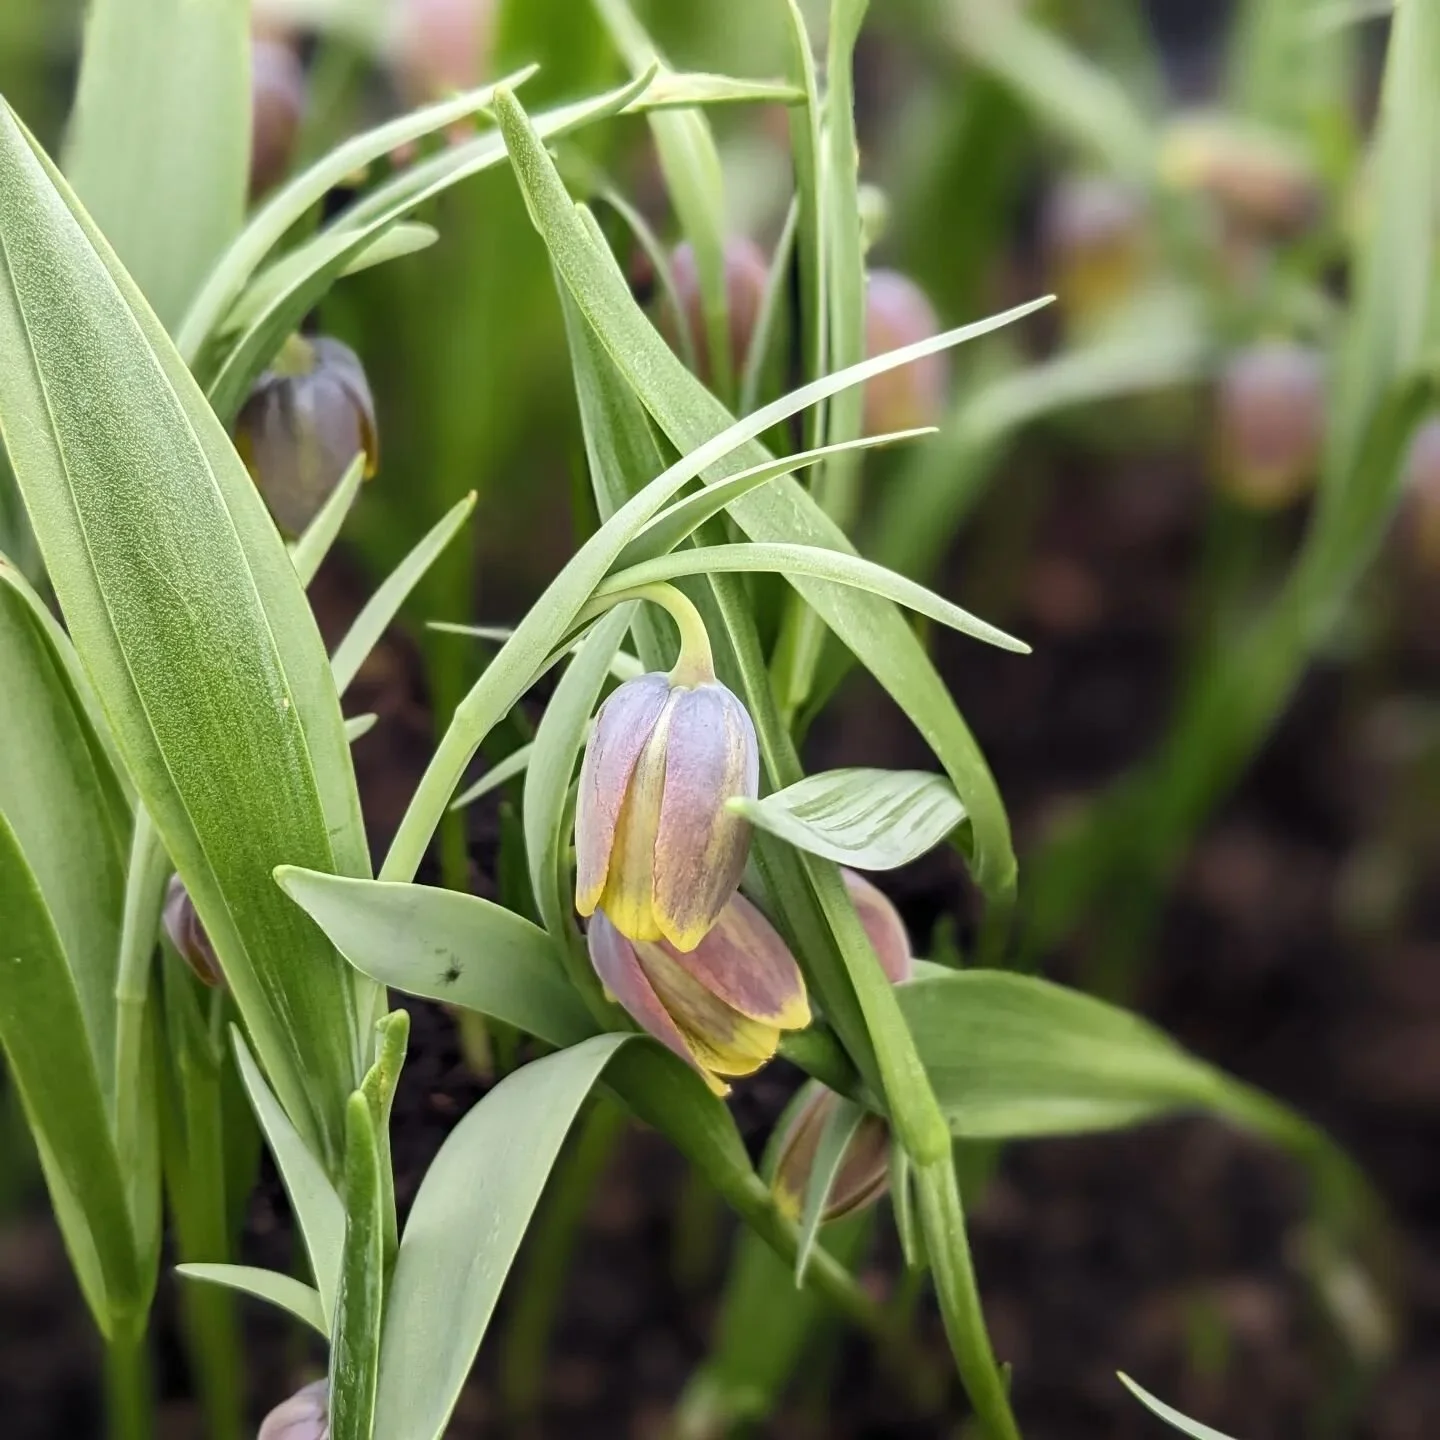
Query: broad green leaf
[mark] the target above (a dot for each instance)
(67, 815)
(321, 533)
(188, 617)
(293, 200)
(680, 520)
(1169, 1415)
(464, 1229)
(49, 1061)
(700, 427)
(313, 1201)
(447, 946)
(382, 607)
(803, 565)
(867, 819)
(558, 740)
(159, 146)
(284, 1291)
(835, 1139)
(355, 1339)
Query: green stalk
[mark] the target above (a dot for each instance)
(129, 1390)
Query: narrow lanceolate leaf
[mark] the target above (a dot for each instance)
(867, 819)
(64, 806)
(307, 553)
(159, 148)
(355, 1341)
(47, 1055)
(189, 620)
(1170, 1415)
(283, 1291)
(839, 1131)
(447, 946)
(463, 1232)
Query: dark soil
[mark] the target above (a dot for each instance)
(1175, 1252)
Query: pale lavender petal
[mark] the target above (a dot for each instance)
(615, 962)
(883, 927)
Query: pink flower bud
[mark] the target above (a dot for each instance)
(187, 934)
(897, 313)
(864, 1173)
(277, 101)
(746, 273)
(883, 927)
(721, 1006)
(304, 1416)
(657, 848)
(303, 424)
(441, 46)
(1270, 418)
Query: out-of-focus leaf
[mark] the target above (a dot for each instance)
(355, 1338)
(1169, 1415)
(447, 946)
(300, 1299)
(464, 1229)
(358, 725)
(867, 819)
(154, 72)
(686, 89)
(382, 607)
(48, 1059)
(313, 1201)
(188, 617)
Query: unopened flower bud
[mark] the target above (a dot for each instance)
(304, 1416)
(883, 927)
(305, 421)
(277, 104)
(1093, 236)
(746, 272)
(1258, 178)
(721, 1006)
(864, 1173)
(441, 46)
(1420, 504)
(187, 934)
(657, 848)
(1270, 418)
(897, 313)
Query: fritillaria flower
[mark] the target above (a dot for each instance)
(1093, 235)
(721, 1006)
(898, 313)
(187, 934)
(746, 271)
(304, 1416)
(305, 421)
(1420, 507)
(883, 927)
(1270, 416)
(277, 104)
(864, 1173)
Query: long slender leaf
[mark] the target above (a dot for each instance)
(322, 532)
(1170, 1415)
(152, 71)
(835, 1139)
(283, 1291)
(187, 615)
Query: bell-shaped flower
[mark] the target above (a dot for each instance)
(883, 927)
(303, 424)
(721, 1006)
(657, 849)
(899, 313)
(304, 1416)
(1270, 423)
(864, 1173)
(187, 934)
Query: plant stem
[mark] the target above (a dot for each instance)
(129, 1395)
(144, 894)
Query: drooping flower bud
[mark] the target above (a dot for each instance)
(1093, 236)
(721, 1006)
(883, 927)
(305, 421)
(187, 934)
(1259, 178)
(1270, 419)
(864, 1173)
(657, 848)
(746, 272)
(1420, 504)
(277, 104)
(898, 313)
(304, 1416)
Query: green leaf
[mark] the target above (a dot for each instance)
(290, 203)
(835, 1140)
(696, 423)
(803, 565)
(1170, 1416)
(867, 819)
(447, 946)
(686, 89)
(382, 607)
(285, 1291)
(159, 148)
(313, 1201)
(464, 1229)
(355, 1341)
(42, 1030)
(515, 763)
(188, 617)
(358, 725)
(321, 533)
(65, 809)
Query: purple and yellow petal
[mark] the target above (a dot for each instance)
(864, 1173)
(883, 927)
